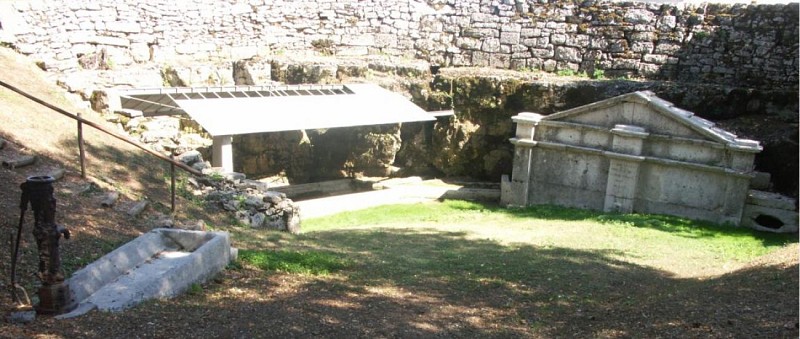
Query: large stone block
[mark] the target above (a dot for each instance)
(770, 219)
(568, 54)
(509, 38)
(771, 200)
(123, 27)
(110, 41)
(140, 52)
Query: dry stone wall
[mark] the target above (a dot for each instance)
(741, 45)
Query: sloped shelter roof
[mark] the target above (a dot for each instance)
(700, 128)
(235, 110)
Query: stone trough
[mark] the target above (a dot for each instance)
(159, 264)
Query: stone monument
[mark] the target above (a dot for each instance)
(634, 153)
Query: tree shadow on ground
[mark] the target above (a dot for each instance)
(425, 283)
(126, 166)
(142, 176)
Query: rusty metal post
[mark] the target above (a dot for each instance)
(15, 251)
(54, 295)
(80, 148)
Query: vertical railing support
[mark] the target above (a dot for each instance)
(172, 175)
(80, 148)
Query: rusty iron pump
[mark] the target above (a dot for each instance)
(54, 293)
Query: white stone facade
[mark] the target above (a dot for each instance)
(632, 153)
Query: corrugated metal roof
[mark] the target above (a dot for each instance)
(257, 109)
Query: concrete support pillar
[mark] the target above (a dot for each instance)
(222, 152)
(623, 171)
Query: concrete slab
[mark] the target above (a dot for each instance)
(394, 192)
(159, 264)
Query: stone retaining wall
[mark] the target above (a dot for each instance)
(741, 45)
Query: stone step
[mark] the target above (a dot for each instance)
(769, 219)
(770, 212)
(473, 194)
(772, 200)
(20, 161)
(412, 191)
(322, 188)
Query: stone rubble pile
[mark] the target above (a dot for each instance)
(249, 200)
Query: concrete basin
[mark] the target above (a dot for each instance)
(159, 264)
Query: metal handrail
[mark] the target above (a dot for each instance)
(124, 138)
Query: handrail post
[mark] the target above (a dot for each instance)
(80, 147)
(172, 174)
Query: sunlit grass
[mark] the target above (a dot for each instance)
(302, 262)
(665, 242)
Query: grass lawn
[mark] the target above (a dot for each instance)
(434, 233)
(536, 271)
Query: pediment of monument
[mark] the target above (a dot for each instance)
(657, 116)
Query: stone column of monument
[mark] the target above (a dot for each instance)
(623, 168)
(516, 190)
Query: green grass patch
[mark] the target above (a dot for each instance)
(643, 236)
(195, 289)
(301, 262)
(447, 211)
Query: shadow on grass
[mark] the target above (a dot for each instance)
(665, 223)
(424, 283)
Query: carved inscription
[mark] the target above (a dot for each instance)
(621, 187)
(622, 176)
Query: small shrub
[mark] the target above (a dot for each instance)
(195, 289)
(528, 69)
(598, 74)
(566, 72)
(110, 64)
(701, 35)
(234, 265)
